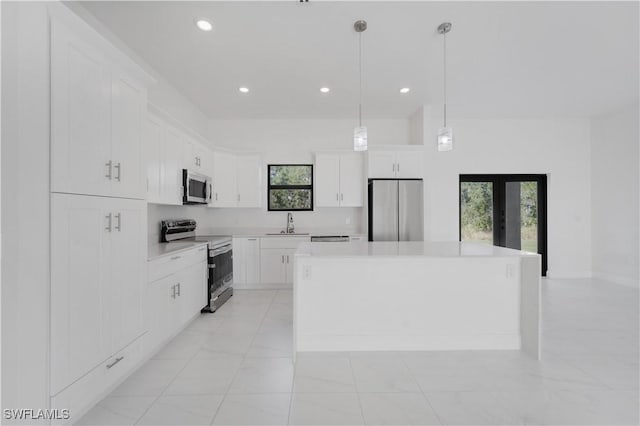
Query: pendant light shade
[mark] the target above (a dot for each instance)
(360, 138)
(360, 132)
(445, 134)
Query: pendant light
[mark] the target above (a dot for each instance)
(445, 134)
(360, 132)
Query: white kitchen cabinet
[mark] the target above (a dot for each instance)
(97, 118)
(97, 264)
(396, 164)
(409, 164)
(172, 166)
(154, 146)
(327, 173)
(249, 180)
(276, 259)
(273, 267)
(246, 260)
(177, 291)
(198, 158)
(224, 180)
(339, 180)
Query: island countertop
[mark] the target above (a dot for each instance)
(441, 249)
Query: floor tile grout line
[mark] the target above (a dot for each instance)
(355, 385)
(424, 395)
(244, 357)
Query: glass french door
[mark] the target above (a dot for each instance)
(506, 211)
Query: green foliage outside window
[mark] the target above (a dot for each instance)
(290, 187)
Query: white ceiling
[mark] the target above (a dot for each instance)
(506, 59)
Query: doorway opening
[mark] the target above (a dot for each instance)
(505, 210)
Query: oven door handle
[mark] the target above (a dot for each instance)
(221, 250)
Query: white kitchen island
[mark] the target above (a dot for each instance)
(401, 296)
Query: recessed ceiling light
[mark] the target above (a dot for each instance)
(244, 90)
(325, 89)
(204, 25)
(405, 90)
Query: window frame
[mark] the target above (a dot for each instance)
(305, 187)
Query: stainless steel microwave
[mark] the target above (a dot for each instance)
(197, 188)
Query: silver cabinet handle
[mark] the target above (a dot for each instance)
(341, 197)
(283, 258)
(252, 239)
(394, 167)
(287, 258)
(178, 287)
(337, 199)
(118, 226)
(118, 167)
(238, 197)
(173, 294)
(216, 196)
(108, 165)
(108, 227)
(398, 167)
(117, 360)
(175, 257)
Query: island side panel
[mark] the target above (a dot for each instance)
(530, 317)
(406, 303)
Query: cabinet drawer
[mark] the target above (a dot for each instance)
(167, 265)
(81, 395)
(282, 242)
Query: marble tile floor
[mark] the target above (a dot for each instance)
(235, 368)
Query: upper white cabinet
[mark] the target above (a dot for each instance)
(224, 180)
(396, 164)
(198, 158)
(339, 180)
(97, 267)
(248, 180)
(96, 118)
(237, 180)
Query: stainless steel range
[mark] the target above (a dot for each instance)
(219, 258)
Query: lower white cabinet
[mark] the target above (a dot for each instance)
(98, 254)
(246, 261)
(176, 292)
(276, 259)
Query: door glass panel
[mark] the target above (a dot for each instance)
(476, 212)
(529, 216)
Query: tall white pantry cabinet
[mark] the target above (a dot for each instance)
(98, 214)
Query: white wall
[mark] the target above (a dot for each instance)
(25, 205)
(558, 148)
(615, 197)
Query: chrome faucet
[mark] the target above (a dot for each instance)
(290, 226)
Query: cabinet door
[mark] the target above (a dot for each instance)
(409, 164)
(224, 180)
(80, 278)
(189, 291)
(327, 173)
(154, 156)
(128, 271)
(156, 312)
(273, 266)
(289, 253)
(382, 164)
(172, 167)
(80, 116)
(249, 180)
(190, 155)
(127, 114)
(351, 180)
(239, 260)
(252, 260)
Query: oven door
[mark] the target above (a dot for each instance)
(197, 188)
(220, 270)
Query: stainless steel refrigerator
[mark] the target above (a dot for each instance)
(396, 210)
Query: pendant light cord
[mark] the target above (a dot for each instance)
(360, 78)
(444, 61)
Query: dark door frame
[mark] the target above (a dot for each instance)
(499, 181)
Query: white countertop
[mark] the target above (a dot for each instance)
(264, 232)
(407, 249)
(158, 250)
